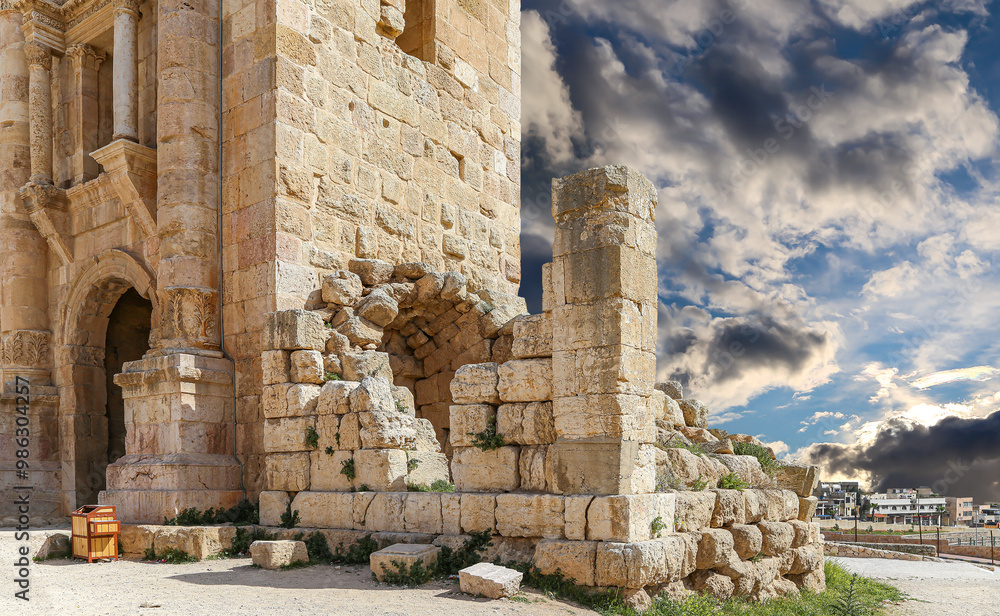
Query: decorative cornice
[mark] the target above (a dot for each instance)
(86, 55)
(38, 55)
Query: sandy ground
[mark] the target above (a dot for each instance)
(937, 589)
(232, 587)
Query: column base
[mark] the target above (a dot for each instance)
(154, 506)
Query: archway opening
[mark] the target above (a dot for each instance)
(127, 339)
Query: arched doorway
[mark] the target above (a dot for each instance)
(127, 339)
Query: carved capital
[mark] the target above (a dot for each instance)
(25, 349)
(86, 56)
(131, 6)
(38, 55)
(189, 318)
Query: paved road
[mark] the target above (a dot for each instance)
(936, 589)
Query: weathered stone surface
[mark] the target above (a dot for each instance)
(672, 412)
(694, 510)
(468, 420)
(275, 367)
(292, 330)
(278, 554)
(378, 307)
(629, 517)
(381, 469)
(532, 336)
(342, 288)
(358, 365)
(807, 508)
(715, 584)
(488, 580)
(715, 548)
(422, 513)
(535, 466)
(526, 423)
(395, 557)
(478, 512)
(576, 560)
(730, 508)
(385, 512)
(525, 380)
(476, 384)
(673, 389)
(576, 516)
(335, 397)
(287, 471)
(326, 471)
(325, 510)
(486, 471)
(695, 413)
(373, 395)
(530, 515)
(371, 271)
(697, 435)
(777, 537)
(272, 505)
(747, 540)
(307, 367)
(426, 468)
(799, 478)
(387, 430)
(746, 468)
(645, 563)
(801, 533)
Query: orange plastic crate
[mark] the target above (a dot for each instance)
(95, 532)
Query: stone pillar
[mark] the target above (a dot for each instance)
(40, 111)
(179, 398)
(84, 113)
(604, 331)
(126, 71)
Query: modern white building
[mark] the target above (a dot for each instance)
(904, 506)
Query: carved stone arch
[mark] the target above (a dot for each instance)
(81, 374)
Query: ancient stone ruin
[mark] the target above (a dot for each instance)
(271, 250)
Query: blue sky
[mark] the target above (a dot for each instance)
(828, 209)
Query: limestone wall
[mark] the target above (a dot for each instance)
(867, 550)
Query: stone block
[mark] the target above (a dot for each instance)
(359, 364)
(645, 563)
(619, 416)
(615, 369)
(287, 471)
(372, 271)
(799, 478)
(715, 548)
(629, 518)
(287, 434)
(694, 510)
(378, 307)
(451, 514)
(528, 423)
(385, 513)
(672, 412)
(714, 584)
(535, 466)
(334, 397)
(807, 508)
(325, 510)
(600, 467)
(486, 471)
(532, 336)
(274, 400)
(350, 432)
(325, 471)
(478, 512)
(275, 367)
(467, 420)
(137, 538)
(801, 533)
(272, 505)
(401, 557)
(530, 515)
(575, 560)
(730, 508)
(695, 413)
(342, 288)
(373, 395)
(422, 513)
(489, 580)
(747, 540)
(292, 330)
(382, 470)
(576, 516)
(673, 389)
(777, 537)
(390, 430)
(301, 400)
(756, 505)
(476, 384)
(525, 380)
(426, 467)
(278, 554)
(307, 367)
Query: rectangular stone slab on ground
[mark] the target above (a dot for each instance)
(278, 554)
(400, 557)
(489, 580)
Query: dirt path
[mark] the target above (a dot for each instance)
(233, 588)
(937, 589)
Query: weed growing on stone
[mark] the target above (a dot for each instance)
(333, 376)
(312, 438)
(417, 487)
(416, 575)
(769, 464)
(401, 407)
(488, 439)
(450, 561)
(242, 514)
(289, 519)
(347, 469)
(699, 484)
(330, 450)
(170, 556)
(657, 526)
(412, 464)
(441, 485)
(356, 554)
(732, 481)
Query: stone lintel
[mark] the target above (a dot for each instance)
(132, 169)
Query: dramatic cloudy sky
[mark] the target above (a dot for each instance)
(829, 221)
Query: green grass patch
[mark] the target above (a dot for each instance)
(732, 481)
(243, 513)
(769, 464)
(169, 556)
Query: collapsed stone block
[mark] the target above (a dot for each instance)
(530, 515)
(292, 330)
(278, 554)
(673, 389)
(486, 471)
(489, 580)
(378, 307)
(799, 478)
(401, 557)
(525, 380)
(695, 413)
(476, 384)
(307, 367)
(342, 288)
(371, 271)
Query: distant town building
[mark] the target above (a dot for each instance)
(960, 510)
(987, 515)
(837, 499)
(907, 506)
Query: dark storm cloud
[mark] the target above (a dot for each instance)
(957, 457)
